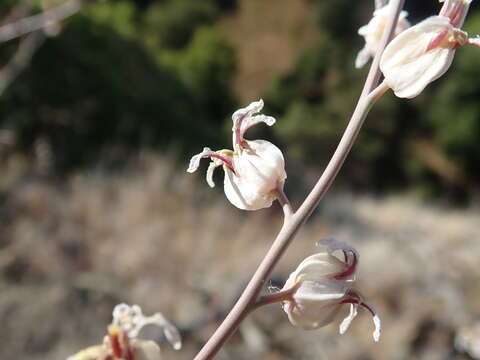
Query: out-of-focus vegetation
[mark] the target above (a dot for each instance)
(126, 75)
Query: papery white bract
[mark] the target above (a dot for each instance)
(254, 170)
(321, 284)
(373, 32)
(122, 342)
(424, 52)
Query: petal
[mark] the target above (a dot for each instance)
(321, 290)
(378, 327)
(331, 244)
(254, 120)
(195, 160)
(146, 350)
(252, 108)
(259, 168)
(211, 168)
(362, 58)
(240, 116)
(407, 66)
(233, 192)
(348, 320)
(355, 298)
(311, 315)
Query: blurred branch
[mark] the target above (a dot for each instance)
(21, 59)
(18, 12)
(36, 27)
(39, 21)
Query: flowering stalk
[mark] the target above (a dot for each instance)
(292, 224)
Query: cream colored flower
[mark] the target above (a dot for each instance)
(254, 170)
(322, 283)
(424, 52)
(122, 341)
(373, 32)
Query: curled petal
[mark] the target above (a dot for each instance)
(254, 120)
(242, 115)
(350, 253)
(348, 320)
(354, 298)
(252, 108)
(172, 335)
(131, 320)
(195, 160)
(211, 168)
(378, 326)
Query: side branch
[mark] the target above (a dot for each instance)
(39, 21)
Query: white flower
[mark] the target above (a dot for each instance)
(424, 52)
(122, 341)
(254, 170)
(373, 32)
(321, 284)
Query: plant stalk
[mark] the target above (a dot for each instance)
(371, 93)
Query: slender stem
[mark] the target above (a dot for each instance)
(291, 227)
(284, 203)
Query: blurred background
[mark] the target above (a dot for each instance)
(100, 112)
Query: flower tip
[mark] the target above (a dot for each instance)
(378, 325)
(195, 160)
(345, 324)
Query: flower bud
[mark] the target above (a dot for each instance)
(321, 284)
(254, 170)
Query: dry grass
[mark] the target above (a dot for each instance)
(155, 236)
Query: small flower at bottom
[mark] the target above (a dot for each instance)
(321, 284)
(254, 170)
(122, 343)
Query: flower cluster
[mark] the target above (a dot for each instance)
(424, 52)
(122, 342)
(254, 170)
(321, 284)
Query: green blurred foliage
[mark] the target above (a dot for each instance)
(129, 74)
(172, 24)
(98, 90)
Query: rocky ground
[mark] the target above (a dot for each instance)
(71, 250)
